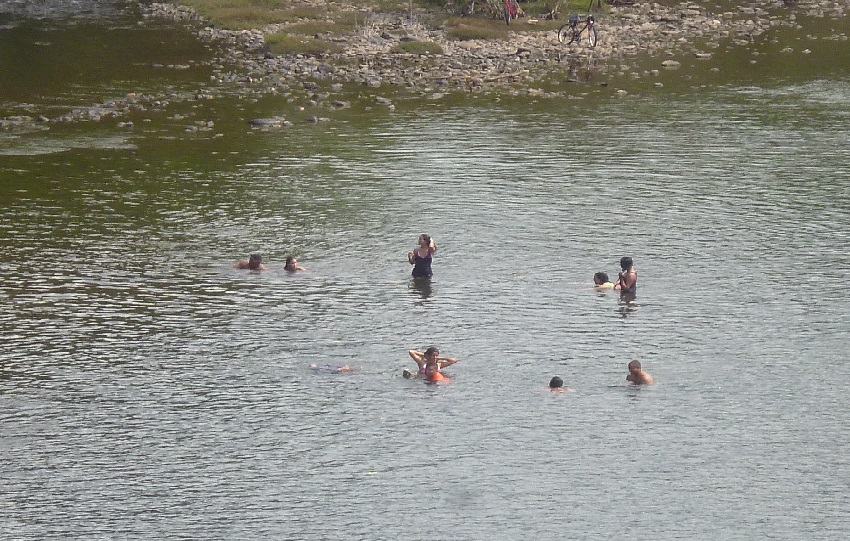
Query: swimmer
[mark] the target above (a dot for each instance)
(432, 373)
(627, 282)
(422, 359)
(421, 257)
(292, 265)
(637, 376)
(254, 262)
(600, 281)
(331, 368)
(556, 385)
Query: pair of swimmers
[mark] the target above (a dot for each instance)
(637, 376)
(255, 262)
(626, 281)
(430, 365)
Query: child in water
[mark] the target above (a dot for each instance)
(600, 281)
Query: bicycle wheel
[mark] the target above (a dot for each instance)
(592, 38)
(565, 33)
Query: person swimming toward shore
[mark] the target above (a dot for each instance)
(331, 368)
(421, 359)
(601, 281)
(556, 385)
(627, 281)
(292, 265)
(637, 376)
(254, 262)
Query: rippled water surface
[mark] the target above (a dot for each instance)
(150, 391)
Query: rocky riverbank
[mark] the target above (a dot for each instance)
(529, 63)
(521, 65)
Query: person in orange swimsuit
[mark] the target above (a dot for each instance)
(432, 373)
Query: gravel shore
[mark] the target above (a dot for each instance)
(530, 63)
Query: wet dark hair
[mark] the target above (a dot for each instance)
(427, 238)
(556, 382)
(626, 262)
(634, 364)
(431, 350)
(256, 256)
(600, 278)
(289, 260)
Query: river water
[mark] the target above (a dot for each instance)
(150, 391)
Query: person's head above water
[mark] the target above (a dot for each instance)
(424, 240)
(432, 372)
(626, 263)
(431, 353)
(556, 383)
(634, 366)
(255, 260)
(600, 278)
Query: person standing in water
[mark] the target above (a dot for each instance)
(254, 262)
(421, 257)
(627, 282)
(637, 376)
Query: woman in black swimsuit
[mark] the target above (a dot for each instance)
(421, 257)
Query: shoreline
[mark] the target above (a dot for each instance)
(527, 64)
(531, 63)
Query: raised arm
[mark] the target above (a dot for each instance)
(418, 357)
(446, 361)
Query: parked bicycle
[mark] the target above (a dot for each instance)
(575, 27)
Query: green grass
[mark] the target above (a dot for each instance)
(285, 44)
(242, 14)
(331, 17)
(418, 47)
(466, 28)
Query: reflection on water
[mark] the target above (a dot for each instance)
(627, 304)
(422, 288)
(151, 390)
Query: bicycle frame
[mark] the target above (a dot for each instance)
(574, 29)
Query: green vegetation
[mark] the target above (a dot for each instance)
(466, 28)
(286, 44)
(344, 17)
(418, 47)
